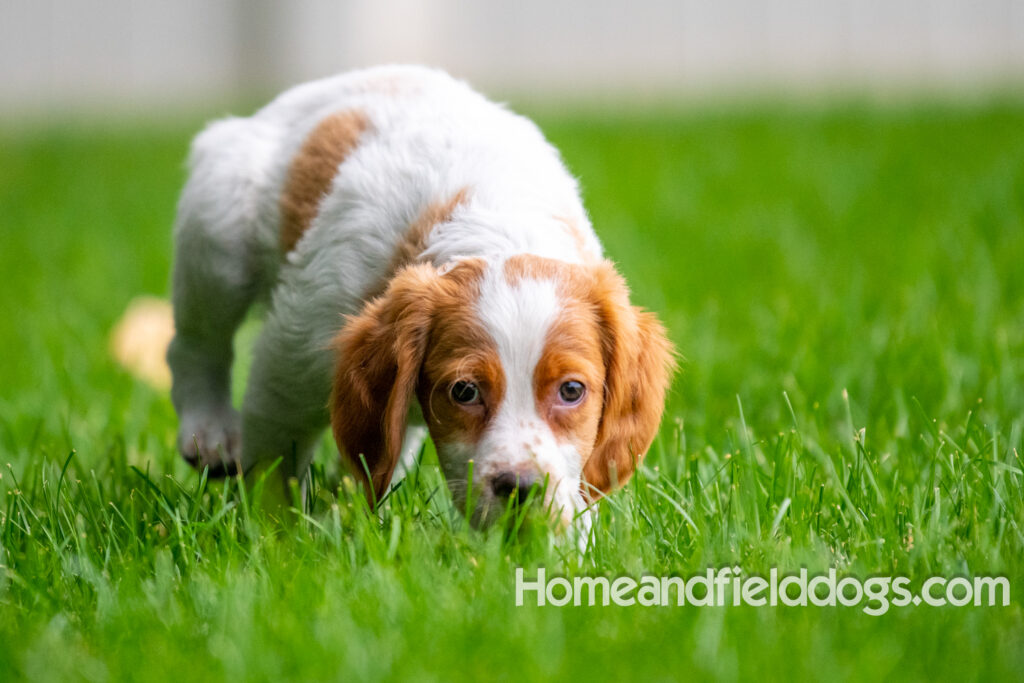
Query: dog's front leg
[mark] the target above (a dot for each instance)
(221, 248)
(284, 411)
(211, 296)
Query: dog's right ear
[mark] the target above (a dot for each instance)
(380, 352)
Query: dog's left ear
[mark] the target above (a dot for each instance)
(639, 361)
(380, 352)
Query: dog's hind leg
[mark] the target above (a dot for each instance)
(225, 250)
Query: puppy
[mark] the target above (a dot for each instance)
(428, 262)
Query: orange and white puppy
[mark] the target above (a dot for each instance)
(428, 262)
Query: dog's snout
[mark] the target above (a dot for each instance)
(518, 484)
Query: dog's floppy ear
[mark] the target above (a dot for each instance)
(380, 352)
(639, 361)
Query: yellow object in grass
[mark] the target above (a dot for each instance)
(139, 340)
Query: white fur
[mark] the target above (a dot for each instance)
(429, 137)
(518, 317)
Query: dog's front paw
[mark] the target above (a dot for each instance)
(212, 438)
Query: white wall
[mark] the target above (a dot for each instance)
(160, 53)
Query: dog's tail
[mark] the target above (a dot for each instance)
(140, 338)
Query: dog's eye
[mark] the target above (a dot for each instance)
(465, 393)
(571, 392)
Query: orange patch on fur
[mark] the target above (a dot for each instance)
(412, 244)
(572, 352)
(460, 349)
(313, 169)
(601, 329)
(416, 338)
(639, 361)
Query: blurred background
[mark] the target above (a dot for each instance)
(896, 191)
(125, 54)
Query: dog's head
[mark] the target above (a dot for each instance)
(536, 370)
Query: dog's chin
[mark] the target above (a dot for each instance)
(490, 511)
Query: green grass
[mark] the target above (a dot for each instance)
(845, 283)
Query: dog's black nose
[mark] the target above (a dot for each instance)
(507, 484)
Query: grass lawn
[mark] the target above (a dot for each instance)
(844, 282)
